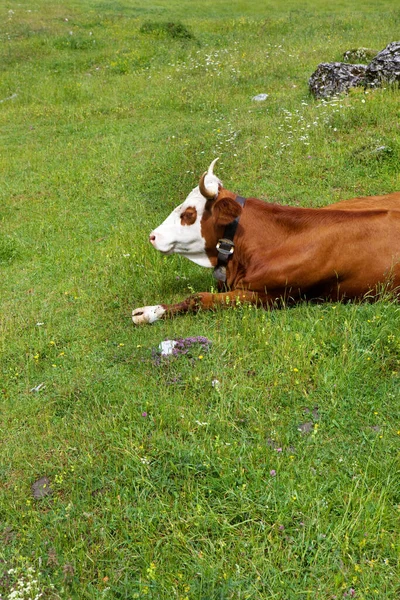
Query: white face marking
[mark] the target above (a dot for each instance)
(176, 236)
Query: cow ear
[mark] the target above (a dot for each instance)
(225, 210)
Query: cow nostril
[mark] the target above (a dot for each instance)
(152, 237)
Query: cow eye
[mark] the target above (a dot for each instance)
(189, 216)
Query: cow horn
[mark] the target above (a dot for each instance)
(209, 194)
(203, 190)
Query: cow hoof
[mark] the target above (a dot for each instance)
(147, 314)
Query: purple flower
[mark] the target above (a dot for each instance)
(278, 449)
(144, 414)
(272, 472)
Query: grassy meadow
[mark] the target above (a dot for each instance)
(265, 467)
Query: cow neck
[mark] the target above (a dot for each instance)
(226, 246)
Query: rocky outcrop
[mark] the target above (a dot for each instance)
(359, 55)
(385, 67)
(330, 79)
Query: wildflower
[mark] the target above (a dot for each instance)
(151, 571)
(272, 472)
(144, 414)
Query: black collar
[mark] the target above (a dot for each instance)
(225, 245)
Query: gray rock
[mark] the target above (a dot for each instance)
(330, 79)
(41, 488)
(260, 97)
(385, 67)
(363, 55)
(306, 427)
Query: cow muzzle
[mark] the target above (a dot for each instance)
(157, 242)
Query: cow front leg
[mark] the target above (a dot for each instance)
(201, 301)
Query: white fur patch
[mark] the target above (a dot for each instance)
(174, 237)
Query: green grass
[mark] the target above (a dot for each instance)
(282, 481)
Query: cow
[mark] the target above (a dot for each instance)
(272, 255)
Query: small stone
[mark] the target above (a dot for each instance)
(260, 97)
(167, 347)
(37, 388)
(306, 427)
(41, 488)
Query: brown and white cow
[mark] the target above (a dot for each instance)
(281, 253)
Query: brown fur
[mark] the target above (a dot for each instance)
(343, 251)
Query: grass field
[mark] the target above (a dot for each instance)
(280, 480)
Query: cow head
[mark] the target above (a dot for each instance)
(193, 228)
